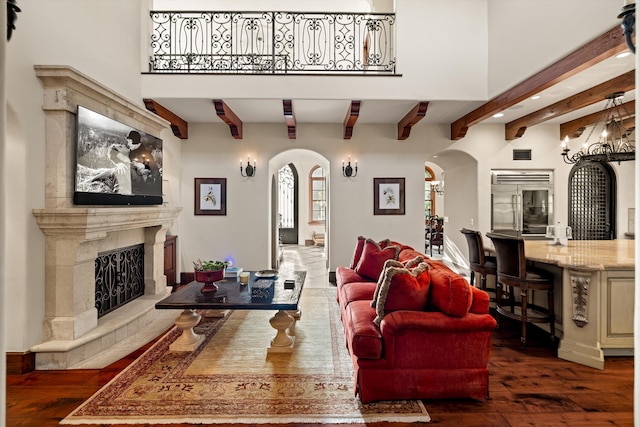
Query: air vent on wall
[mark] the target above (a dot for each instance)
(521, 154)
(521, 176)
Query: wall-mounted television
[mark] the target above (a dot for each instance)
(115, 163)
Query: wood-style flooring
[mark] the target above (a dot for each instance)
(528, 386)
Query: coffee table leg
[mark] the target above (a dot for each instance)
(189, 340)
(282, 343)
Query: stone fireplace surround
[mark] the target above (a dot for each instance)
(74, 235)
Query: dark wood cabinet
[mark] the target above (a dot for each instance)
(170, 268)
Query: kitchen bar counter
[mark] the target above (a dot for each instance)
(595, 279)
(584, 254)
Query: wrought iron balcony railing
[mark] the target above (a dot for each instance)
(272, 42)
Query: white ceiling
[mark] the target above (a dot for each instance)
(197, 110)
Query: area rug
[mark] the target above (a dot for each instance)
(231, 379)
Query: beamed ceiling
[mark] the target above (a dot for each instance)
(570, 92)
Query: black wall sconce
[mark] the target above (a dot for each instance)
(348, 171)
(249, 170)
(628, 17)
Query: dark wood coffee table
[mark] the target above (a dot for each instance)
(232, 295)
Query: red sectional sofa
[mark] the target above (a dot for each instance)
(415, 328)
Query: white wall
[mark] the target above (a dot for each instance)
(518, 29)
(265, 5)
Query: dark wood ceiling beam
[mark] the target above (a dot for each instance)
(575, 128)
(414, 116)
(289, 118)
(227, 115)
(622, 83)
(351, 118)
(179, 126)
(602, 47)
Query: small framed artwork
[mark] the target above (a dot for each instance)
(210, 196)
(388, 196)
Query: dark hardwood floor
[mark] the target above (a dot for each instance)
(528, 387)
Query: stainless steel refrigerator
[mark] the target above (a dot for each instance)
(521, 202)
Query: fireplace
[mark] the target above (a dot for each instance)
(73, 330)
(119, 278)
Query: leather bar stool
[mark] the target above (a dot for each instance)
(514, 273)
(479, 262)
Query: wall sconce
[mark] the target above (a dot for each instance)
(348, 171)
(249, 170)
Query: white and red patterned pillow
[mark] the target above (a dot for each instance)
(402, 288)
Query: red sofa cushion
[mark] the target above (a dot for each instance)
(363, 336)
(450, 292)
(356, 291)
(346, 275)
(408, 253)
(402, 289)
(373, 258)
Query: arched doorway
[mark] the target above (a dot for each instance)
(301, 219)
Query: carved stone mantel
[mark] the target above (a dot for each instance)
(72, 237)
(74, 234)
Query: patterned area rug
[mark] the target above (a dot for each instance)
(232, 379)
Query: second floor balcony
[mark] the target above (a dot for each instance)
(272, 43)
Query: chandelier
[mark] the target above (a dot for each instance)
(438, 187)
(613, 144)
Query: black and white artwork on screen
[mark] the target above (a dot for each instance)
(116, 164)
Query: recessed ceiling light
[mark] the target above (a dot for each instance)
(623, 54)
(498, 115)
(535, 97)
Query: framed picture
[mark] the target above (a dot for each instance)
(388, 196)
(210, 196)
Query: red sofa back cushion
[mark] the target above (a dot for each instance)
(373, 258)
(450, 293)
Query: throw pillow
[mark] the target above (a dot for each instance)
(373, 257)
(402, 289)
(450, 293)
(408, 264)
(357, 253)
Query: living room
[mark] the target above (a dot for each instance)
(108, 43)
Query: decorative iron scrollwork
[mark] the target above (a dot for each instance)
(119, 278)
(271, 42)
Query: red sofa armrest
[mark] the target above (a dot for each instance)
(420, 339)
(480, 302)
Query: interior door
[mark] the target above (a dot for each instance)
(288, 204)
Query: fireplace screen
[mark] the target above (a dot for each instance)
(119, 278)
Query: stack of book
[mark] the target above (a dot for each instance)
(232, 272)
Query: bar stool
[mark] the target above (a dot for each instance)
(479, 262)
(513, 272)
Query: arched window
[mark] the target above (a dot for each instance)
(429, 199)
(317, 195)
